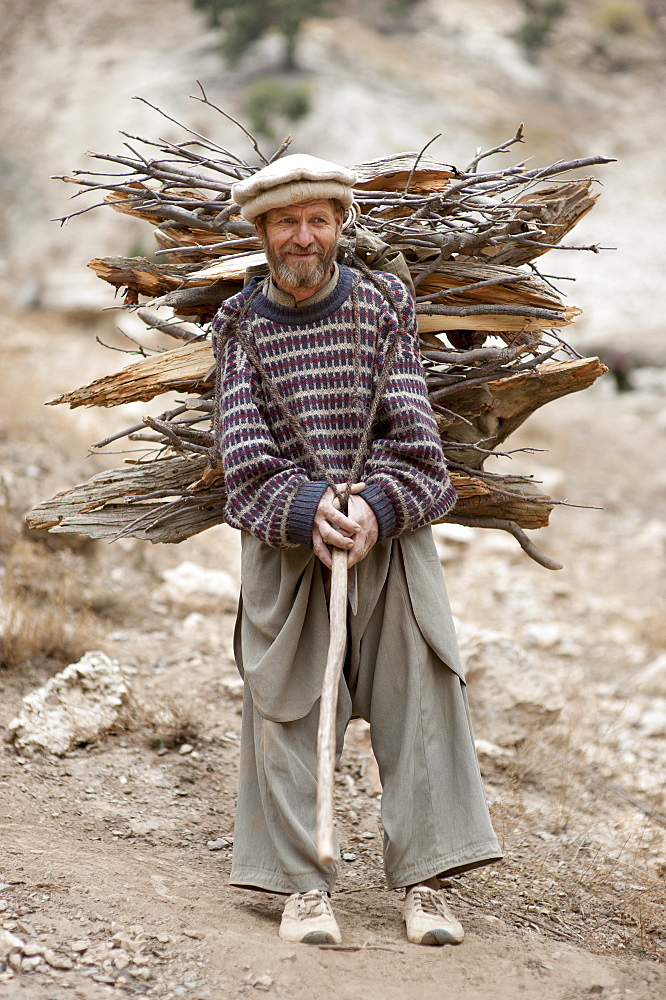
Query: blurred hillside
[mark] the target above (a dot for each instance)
(374, 84)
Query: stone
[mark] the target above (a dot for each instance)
(219, 844)
(73, 707)
(57, 960)
(31, 948)
(652, 678)
(653, 722)
(79, 946)
(263, 982)
(29, 964)
(510, 694)
(8, 943)
(194, 588)
(485, 748)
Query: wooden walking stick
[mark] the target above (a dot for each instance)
(328, 706)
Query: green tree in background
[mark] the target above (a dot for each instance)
(541, 17)
(245, 21)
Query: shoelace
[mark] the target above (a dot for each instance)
(431, 903)
(312, 905)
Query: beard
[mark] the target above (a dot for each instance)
(300, 274)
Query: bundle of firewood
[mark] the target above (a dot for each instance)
(490, 323)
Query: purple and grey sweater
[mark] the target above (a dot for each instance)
(309, 354)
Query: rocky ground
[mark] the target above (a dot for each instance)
(115, 854)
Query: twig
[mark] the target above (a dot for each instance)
(514, 529)
(204, 100)
(416, 163)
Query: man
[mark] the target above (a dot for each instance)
(322, 405)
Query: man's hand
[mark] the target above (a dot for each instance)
(356, 531)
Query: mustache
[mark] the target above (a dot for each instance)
(299, 250)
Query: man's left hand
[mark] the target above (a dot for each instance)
(361, 512)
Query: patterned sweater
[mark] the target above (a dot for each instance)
(309, 354)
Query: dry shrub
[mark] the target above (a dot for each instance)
(42, 617)
(622, 17)
(170, 720)
(32, 632)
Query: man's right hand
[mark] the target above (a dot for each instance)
(332, 527)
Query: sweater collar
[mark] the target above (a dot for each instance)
(276, 294)
(311, 310)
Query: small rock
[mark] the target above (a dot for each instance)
(6, 976)
(485, 748)
(27, 964)
(197, 589)
(57, 961)
(185, 748)
(163, 938)
(348, 856)
(261, 982)
(102, 977)
(653, 722)
(9, 942)
(652, 679)
(120, 958)
(31, 948)
(15, 961)
(79, 946)
(197, 935)
(219, 844)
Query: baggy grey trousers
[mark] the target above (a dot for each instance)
(433, 808)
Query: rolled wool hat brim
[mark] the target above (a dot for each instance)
(293, 193)
(292, 179)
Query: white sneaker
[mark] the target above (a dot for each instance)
(307, 917)
(428, 919)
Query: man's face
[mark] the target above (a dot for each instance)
(300, 243)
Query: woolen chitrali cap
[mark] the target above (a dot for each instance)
(294, 178)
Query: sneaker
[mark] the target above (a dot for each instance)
(307, 917)
(428, 919)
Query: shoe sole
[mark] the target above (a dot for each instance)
(438, 937)
(318, 937)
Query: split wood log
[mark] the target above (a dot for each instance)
(337, 614)
(188, 368)
(173, 498)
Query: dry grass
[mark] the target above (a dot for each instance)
(34, 632)
(44, 617)
(582, 864)
(167, 720)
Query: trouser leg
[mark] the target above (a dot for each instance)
(434, 811)
(275, 830)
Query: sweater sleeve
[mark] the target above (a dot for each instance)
(408, 485)
(268, 495)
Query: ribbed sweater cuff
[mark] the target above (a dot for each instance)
(302, 511)
(381, 505)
